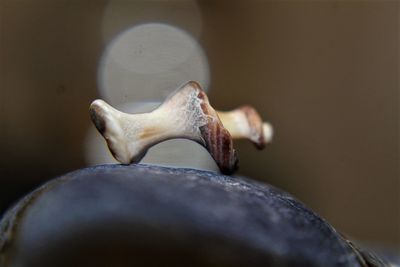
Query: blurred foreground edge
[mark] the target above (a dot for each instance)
(140, 215)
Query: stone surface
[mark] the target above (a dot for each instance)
(115, 215)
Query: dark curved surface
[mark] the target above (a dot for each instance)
(138, 215)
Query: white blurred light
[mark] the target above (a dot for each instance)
(120, 15)
(151, 48)
(148, 61)
(176, 152)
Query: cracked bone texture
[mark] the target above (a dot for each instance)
(185, 114)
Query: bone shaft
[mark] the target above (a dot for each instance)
(235, 122)
(147, 129)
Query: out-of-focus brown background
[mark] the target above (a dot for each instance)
(325, 74)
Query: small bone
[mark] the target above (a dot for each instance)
(245, 122)
(185, 114)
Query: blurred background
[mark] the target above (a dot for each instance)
(324, 73)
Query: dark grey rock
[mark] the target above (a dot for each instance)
(138, 215)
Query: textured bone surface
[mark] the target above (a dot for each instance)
(185, 114)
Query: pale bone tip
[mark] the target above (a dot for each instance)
(245, 122)
(268, 132)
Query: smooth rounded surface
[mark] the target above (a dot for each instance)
(115, 215)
